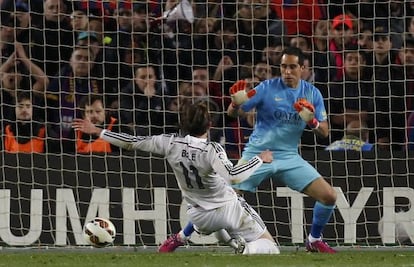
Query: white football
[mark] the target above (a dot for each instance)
(99, 232)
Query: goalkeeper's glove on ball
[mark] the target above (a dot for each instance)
(238, 93)
(307, 113)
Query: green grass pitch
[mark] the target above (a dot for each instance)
(99, 258)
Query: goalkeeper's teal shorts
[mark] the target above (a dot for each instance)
(290, 170)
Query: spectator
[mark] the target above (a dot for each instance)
(410, 26)
(257, 28)
(342, 36)
(143, 36)
(93, 109)
(25, 134)
(406, 57)
(142, 104)
(323, 59)
(204, 26)
(298, 16)
(218, 51)
(302, 42)
(350, 96)
(273, 54)
(388, 93)
(52, 38)
(140, 18)
(397, 19)
(79, 21)
(355, 138)
(201, 76)
(18, 14)
(263, 71)
(366, 42)
(407, 61)
(307, 72)
(20, 74)
(7, 40)
(74, 81)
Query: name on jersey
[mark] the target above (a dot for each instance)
(185, 154)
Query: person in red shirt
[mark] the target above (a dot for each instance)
(299, 17)
(342, 32)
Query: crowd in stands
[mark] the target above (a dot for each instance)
(117, 63)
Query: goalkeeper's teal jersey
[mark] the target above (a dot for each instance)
(278, 125)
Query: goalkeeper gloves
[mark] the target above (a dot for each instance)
(307, 113)
(238, 93)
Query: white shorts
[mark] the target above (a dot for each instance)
(237, 217)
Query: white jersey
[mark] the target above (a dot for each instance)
(202, 168)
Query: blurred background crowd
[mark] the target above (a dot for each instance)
(129, 65)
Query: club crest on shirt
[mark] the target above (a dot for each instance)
(221, 156)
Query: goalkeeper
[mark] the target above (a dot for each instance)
(203, 173)
(284, 107)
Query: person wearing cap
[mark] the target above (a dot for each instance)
(90, 39)
(342, 32)
(389, 92)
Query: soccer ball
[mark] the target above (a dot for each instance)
(99, 232)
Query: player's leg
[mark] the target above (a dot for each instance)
(237, 243)
(261, 174)
(261, 246)
(178, 239)
(325, 197)
(299, 175)
(247, 223)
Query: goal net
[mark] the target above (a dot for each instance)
(130, 65)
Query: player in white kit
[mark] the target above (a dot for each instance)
(204, 174)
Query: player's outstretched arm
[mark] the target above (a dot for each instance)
(239, 95)
(156, 144)
(86, 126)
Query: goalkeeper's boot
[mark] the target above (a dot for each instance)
(319, 246)
(169, 245)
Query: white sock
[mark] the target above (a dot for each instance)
(223, 236)
(313, 239)
(182, 236)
